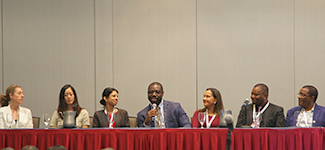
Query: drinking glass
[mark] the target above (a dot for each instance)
(9, 119)
(46, 119)
(201, 118)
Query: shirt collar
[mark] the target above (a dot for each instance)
(107, 112)
(17, 108)
(256, 107)
(161, 104)
(312, 110)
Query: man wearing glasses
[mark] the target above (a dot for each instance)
(308, 113)
(160, 112)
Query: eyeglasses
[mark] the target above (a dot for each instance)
(301, 94)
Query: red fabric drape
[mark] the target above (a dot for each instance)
(278, 139)
(163, 139)
(96, 139)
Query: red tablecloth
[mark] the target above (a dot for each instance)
(167, 139)
(96, 139)
(278, 139)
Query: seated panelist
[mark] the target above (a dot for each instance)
(213, 106)
(20, 117)
(261, 113)
(308, 113)
(68, 101)
(111, 116)
(160, 112)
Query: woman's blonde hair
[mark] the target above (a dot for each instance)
(5, 98)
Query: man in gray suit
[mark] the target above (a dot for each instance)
(261, 113)
(171, 114)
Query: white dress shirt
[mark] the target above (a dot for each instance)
(305, 118)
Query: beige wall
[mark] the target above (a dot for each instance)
(241, 43)
(310, 46)
(1, 62)
(187, 45)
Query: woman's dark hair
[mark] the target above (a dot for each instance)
(106, 93)
(219, 105)
(5, 98)
(63, 105)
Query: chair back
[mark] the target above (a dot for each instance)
(36, 122)
(91, 121)
(133, 121)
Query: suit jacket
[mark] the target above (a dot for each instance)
(174, 116)
(318, 116)
(25, 117)
(273, 116)
(121, 119)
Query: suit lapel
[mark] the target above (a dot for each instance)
(166, 113)
(249, 115)
(265, 115)
(316, 114)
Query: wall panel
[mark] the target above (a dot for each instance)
(2, 88)
(154, 41)
(310, 46)
(103, 47)
(48, 44)
(241, 43)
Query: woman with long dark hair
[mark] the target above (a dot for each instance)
(213, 106)
(68, 101)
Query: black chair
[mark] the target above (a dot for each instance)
(91, 121)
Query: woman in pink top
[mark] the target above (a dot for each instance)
(213, 106)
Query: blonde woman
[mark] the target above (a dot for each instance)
(20, 117)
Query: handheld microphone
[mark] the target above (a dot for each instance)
(154, 106)
(246, 102)
(245, 110)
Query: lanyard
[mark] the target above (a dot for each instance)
(111, 119)
(262, 111)
(207, 122)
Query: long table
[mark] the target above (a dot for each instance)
(167, 139)
(119, 139)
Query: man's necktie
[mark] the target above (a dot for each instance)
(158, 118)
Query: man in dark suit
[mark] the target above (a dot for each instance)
(270, 115)
(171, 114)
(308, 113)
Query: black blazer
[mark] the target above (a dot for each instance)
(121, 119)
(273, 116)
